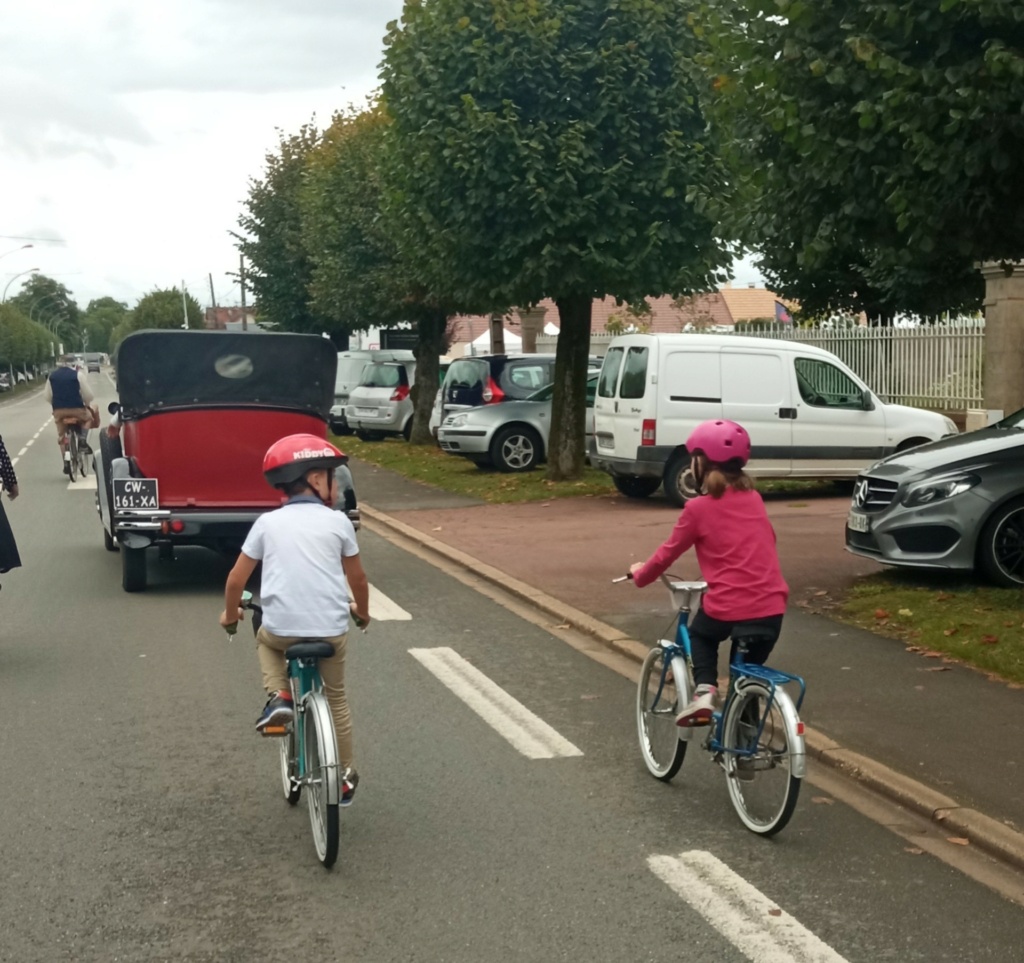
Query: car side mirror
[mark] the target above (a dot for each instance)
(113, 407)
(867, 401)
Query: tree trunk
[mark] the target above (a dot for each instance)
(430, 345)
(566, 442)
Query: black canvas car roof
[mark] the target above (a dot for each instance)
(160, 370)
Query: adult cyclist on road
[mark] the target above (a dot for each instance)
(310, 565)
(69, 394)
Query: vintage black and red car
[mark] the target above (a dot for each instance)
(197, 411)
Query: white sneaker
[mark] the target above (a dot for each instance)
(700, 709)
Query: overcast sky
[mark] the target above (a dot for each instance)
(129, 130)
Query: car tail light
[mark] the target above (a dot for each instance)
(492, 393)
(400, 393)
(648, 431)
(177, 526)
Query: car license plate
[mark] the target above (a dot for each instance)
(366, 412)
(135, 493)
(856, 522)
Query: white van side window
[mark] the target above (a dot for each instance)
(610, 368)
(823, 385)
(752, 379)
(634, 374)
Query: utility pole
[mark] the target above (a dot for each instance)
(184, 307)
(213, 299)
(241, 278)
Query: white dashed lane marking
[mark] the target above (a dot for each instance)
(383, 609)
(755, 925)
(530, 735)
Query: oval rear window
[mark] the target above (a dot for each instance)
(233, 366)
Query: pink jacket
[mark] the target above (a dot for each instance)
(735, 546)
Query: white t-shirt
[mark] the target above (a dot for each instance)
(303, 588)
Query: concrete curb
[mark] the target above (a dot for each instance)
(988, 834)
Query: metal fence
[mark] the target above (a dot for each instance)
(935, 365)
(931, 366)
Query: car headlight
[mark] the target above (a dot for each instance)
(455, 421)
(951, 427)
(935, 490)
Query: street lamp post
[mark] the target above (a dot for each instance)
(15, 250)
(15, 278)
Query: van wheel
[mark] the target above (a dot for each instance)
(133, 569)
(636, 486)
(1001, 545)
(515, 449)
(680, 485)
(407, 430)
(369, 435)
(911, 443)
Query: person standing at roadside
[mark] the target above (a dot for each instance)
(9, 557)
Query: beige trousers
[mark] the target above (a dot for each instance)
(271, 648)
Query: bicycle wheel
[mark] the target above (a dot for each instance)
(72, 460)
(83, 461)
(762, 772)
(289, 767)
(656, 712)
(321, 776)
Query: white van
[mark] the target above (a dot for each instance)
(348, 374)
(809, 416)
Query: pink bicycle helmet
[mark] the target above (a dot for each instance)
(720, 442)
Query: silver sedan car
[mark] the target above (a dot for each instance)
(511, 436)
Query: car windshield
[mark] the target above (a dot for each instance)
(381, 376)
(548, 391)
(349, 371)
(1014, 421)
(466, 374)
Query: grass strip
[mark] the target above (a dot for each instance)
(944, 617)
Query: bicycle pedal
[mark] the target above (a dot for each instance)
(274, 731)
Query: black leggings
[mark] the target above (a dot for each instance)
(707, 634)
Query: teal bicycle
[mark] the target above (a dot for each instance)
(308, 748)
(756, 736)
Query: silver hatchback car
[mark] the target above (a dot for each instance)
(512, 436)
(380, 404)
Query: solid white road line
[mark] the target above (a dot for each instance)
(87, 484)
(383, 609)
(532, 736)
(741, 913)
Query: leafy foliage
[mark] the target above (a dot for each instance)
(48, 302)
(22, 342)
(161, 308)
(279, 269)
(101, 317)
(877, 144)
(359, 277)
(541, 148)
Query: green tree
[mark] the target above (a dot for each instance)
(358, 275)
(549, 149)
(163, 308)
(279, 269)
(22, 342)
(877, 145)
(48, 302)
(100, 319)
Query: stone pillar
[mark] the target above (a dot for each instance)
(532, 321)
(1004, 336)
(497, 327)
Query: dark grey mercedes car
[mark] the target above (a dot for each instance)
(957, 503)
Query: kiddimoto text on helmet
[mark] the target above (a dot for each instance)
(312, 453)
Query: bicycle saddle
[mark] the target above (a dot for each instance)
(309, 650)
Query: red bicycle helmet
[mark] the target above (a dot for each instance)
(289, 458)
(720, 442)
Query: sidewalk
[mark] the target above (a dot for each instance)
(944, 743)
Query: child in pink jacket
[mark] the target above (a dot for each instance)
(728, 528)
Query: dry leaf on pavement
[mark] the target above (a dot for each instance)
(881, 614)
(937, 668)
(913, 850)
(822, 800)
(952, 631)
(989, 639)
(958, 840)
(774, 912)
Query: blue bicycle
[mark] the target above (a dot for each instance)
(756, 737)
(309, 751)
